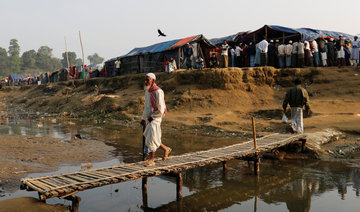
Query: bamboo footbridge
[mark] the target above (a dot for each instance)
(66, 185)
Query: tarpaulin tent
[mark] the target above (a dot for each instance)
(230, 39)
(16, 77)
(284, 34)
(152, 58)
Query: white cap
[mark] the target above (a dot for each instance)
(271, 41)
(151, 75)
(290, 41)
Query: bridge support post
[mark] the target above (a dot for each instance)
(41, 198)
(75, 200)
(303, 142)
(144, 192)
(257, 165)
(179, 182)
(224, 166)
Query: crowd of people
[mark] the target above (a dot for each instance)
(319, 52)
(323, 51)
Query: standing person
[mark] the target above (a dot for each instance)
(276, 53)
(271, 53)
(301, 54)
(308, 58)
(340, 45)
(315, 51)
(154, 111)
(297, 97)
(347, 50)
(288, 52)
(294, 55)
(237, 55)
(232, 52)
(257, 55)
(263, 46)
(331, 52)
(355, 44)
(281, 52)
(188, 53)
(224, 55)
(251, 51)
(244, 58)
(170, 65)
(322, 50)
(117, 65)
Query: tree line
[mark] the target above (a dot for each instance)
(33, 62)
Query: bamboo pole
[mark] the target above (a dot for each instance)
(266, 32)
(224, 165)
(179, 57)
(82, 51)
(255, 204)
(144, 180)
(257, 165)
(179, 182)
(254, 132)
(283, 38)
(66, 52)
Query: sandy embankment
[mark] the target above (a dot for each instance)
(217, 102)
(21, 155)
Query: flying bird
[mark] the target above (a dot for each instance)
(161, 33)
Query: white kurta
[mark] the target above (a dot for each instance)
(152, 131)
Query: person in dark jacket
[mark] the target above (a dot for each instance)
(188, 53)
(331, 52)
(297, 97)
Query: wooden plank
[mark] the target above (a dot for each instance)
(76, 178)
(41, 185)
(53, 186)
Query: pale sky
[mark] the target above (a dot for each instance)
(112, 28)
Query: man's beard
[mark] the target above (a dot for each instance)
(147, 87)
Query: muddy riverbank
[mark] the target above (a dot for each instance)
(216, 104)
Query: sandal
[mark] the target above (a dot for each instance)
(167, 153)
(149, 163)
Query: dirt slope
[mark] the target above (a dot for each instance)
(207, 100)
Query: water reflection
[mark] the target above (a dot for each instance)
(285, 186)
(281, 186)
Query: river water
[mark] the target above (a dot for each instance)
(295, 186)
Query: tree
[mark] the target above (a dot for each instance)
(43, 58)
(72, 59)
(55, 64)
(29, 60)
(78, 62)
(95, 59)
(14, 61)
(4, 71)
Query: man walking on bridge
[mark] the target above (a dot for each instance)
(297, 97)
(154, 111)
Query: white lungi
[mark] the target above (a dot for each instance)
(324, 58)
(297, 119)
(341, 53)
(152, 135)
(355, 53)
